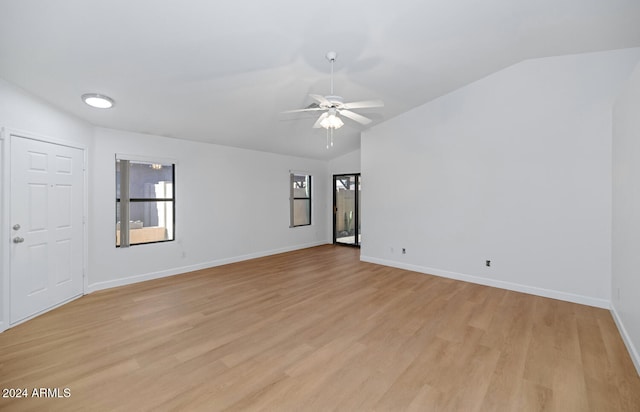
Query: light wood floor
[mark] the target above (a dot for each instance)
(319, 330)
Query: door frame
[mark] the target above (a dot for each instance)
(5, 219)
(356, 204)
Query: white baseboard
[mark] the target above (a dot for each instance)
(516, 287)
(633, 352)
(190, 268)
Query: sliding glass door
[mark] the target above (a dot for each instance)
(346, 209)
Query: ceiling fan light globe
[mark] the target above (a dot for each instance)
(332, 122)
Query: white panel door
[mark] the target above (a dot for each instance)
(47, 185)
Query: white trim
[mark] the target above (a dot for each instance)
(145, 158)
(6, 232)
(184, 269)
(43, 138)
(633, 352)
(85, 224)
(532, 290)
(5, 138)
(300, 172)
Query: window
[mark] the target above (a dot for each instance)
(144, 202)
(300, 199)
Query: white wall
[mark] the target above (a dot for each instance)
(348, 163)
(514, 168)
(626, 215)
(231, 204)
(21, 112)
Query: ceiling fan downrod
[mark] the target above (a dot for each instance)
(331, 56)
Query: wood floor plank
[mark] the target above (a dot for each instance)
(317, 329)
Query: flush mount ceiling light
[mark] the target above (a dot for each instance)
(98, 101)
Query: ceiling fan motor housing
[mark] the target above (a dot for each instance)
(335, 101)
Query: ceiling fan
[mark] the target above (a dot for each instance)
(334, 106)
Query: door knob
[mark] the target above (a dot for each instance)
(18, 239)
(16, 227)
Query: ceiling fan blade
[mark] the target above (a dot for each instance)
(323, 116)
(355, 116)
(320, 99)
(363, 104)
(311, 109)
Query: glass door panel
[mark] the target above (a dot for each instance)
(346, 207)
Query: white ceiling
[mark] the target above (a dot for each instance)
(222, 71)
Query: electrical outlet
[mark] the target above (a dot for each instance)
(488, 263)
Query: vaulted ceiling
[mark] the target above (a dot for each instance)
(223, 71)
